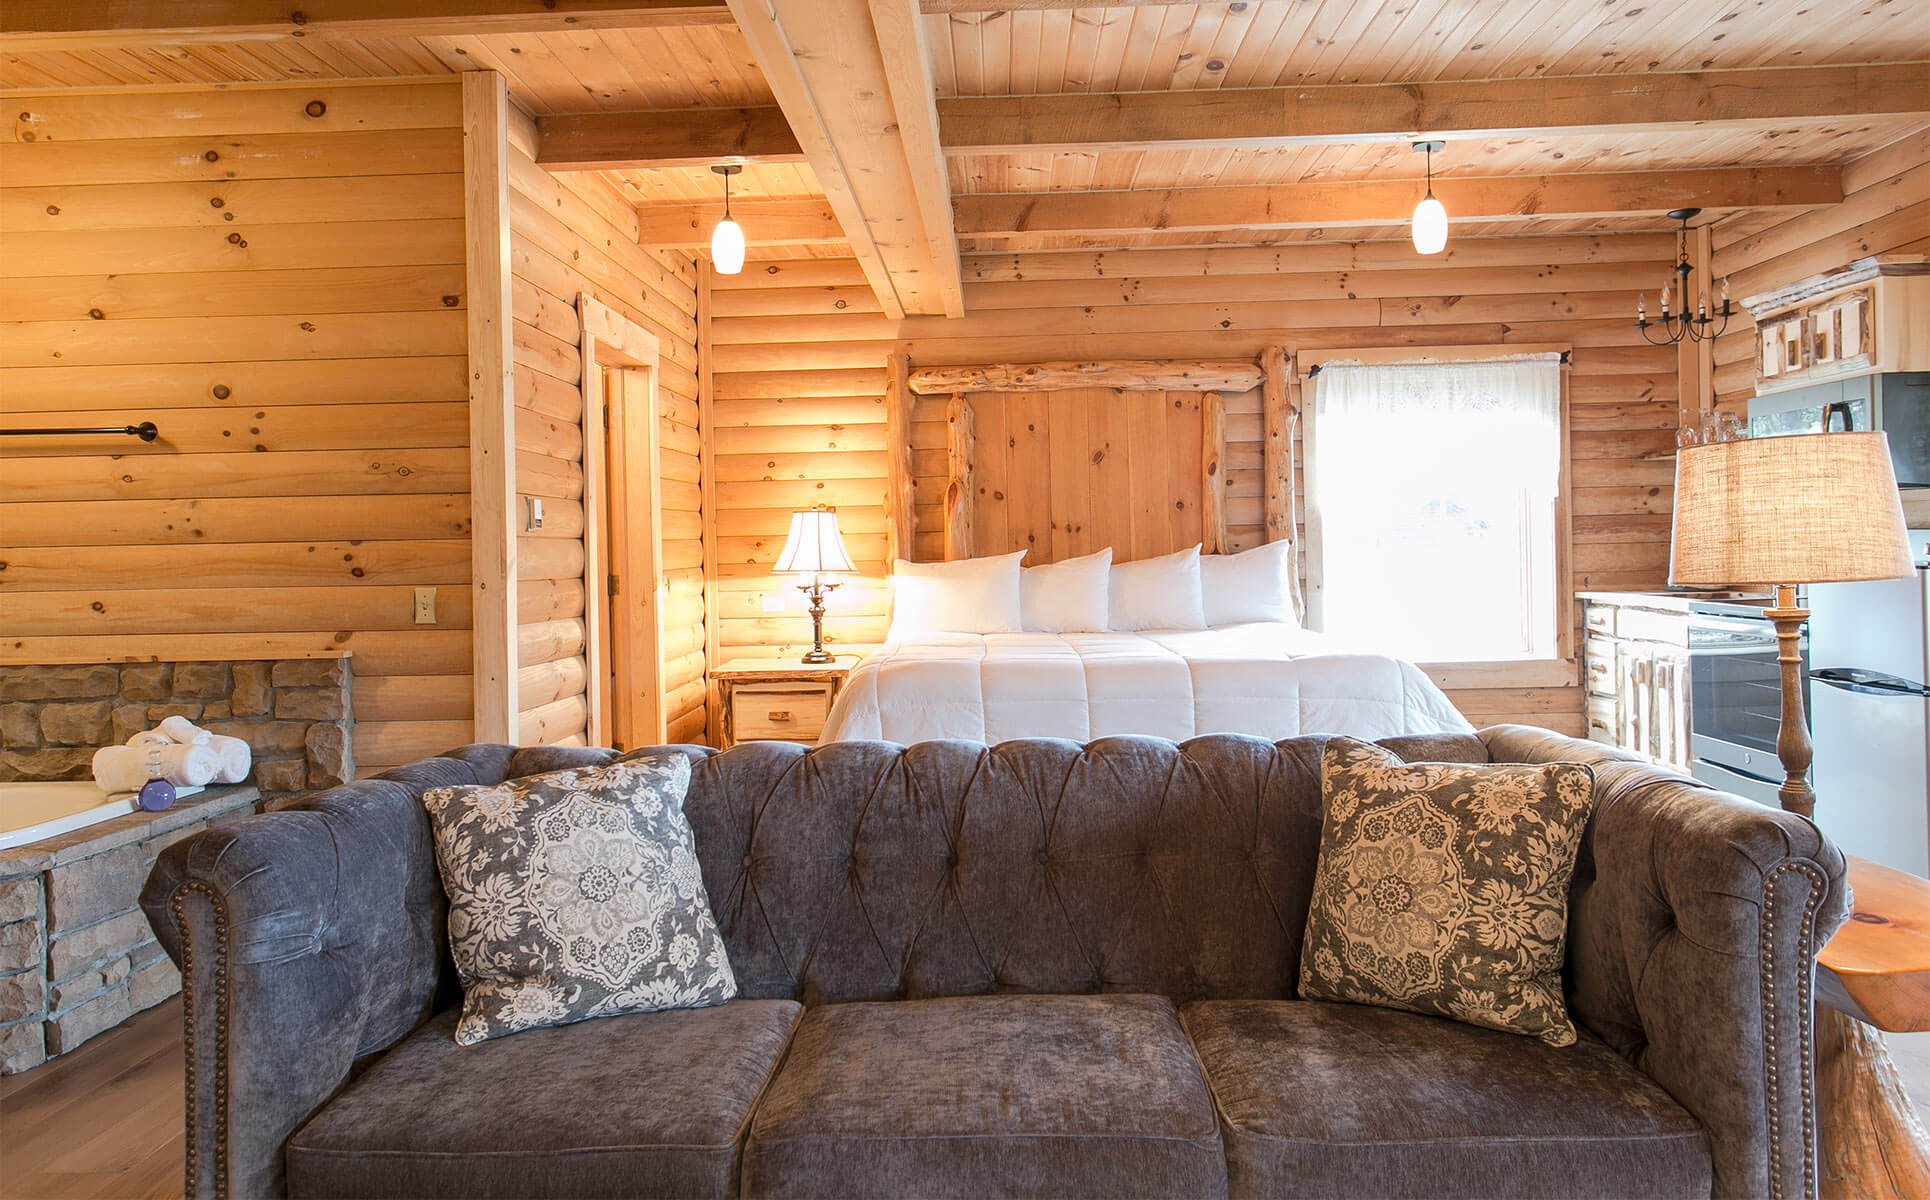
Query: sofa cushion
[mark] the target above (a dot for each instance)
(654, 1104)
(988, 1096)
(1340, 1100)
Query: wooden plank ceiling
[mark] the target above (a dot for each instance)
(1033, 125)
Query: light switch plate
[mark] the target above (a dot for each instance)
(425, 606)
(535, 514)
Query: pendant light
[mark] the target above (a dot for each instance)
(727, 240)
(1430, 219)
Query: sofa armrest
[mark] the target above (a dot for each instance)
(1695, 920)
(307, 938)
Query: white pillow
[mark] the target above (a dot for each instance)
(1158, 593)
(1253, 585)
(1067, 596)
(974, 595)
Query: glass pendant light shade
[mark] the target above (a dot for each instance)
(727, 247)
(1430, 226)
(727, 240)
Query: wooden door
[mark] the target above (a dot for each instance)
(631, 620)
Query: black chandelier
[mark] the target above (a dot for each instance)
(1676, 326)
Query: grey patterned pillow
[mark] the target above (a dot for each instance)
(1443, 887)
(576, 894)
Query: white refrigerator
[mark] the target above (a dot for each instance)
(1869, 660)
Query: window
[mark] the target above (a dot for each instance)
(1432, 491)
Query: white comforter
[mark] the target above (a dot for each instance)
(1271, 680)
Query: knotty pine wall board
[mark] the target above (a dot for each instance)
(283, 294)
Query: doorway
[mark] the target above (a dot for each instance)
(622, 537)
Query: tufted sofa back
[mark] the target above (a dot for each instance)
(868, 871)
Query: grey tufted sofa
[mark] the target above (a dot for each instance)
(1040, 969)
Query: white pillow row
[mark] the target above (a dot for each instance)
(1187, 590)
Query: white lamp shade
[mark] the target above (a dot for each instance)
(727, 247)
(815, 546)
(1807, 508)
(1430, 226)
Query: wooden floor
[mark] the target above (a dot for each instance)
(104, 1121)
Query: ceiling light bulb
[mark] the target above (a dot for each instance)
(1430, 226)
(727, 247)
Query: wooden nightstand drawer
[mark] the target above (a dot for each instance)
(785, 712)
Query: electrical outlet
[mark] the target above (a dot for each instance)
(425, 606)
(773, 602)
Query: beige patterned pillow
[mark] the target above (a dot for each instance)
(1443, 887)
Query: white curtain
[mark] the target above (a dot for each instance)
(1432, 488)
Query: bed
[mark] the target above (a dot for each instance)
(1272, 680)
(1063, 463)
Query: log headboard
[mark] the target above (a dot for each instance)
(1064, 459)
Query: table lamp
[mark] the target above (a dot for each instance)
(815, 548)
(1807, 508)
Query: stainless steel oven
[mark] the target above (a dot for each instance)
(1735, 697)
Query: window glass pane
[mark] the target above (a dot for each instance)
(1433, 490)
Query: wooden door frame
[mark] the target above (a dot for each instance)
(610, 339)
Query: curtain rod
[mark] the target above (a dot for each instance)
(1315, 369)
(147, 431)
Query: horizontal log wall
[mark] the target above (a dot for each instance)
(275, 276)
(571, 234)
(800, 350)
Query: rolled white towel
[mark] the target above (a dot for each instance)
(185, 731)
(124, 768)
(152, 737)
(236, 758)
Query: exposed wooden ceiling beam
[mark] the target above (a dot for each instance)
(46, 25)
(907, 59)
(765, 222)
(829, 73)
(933, 7)
(1393, 112)
(686, 137)
(1018, 218)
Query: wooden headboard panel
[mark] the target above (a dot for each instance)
(1063, 459)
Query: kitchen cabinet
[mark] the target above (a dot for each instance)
(1871, 316)
(1635, 649)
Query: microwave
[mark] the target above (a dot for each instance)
(1896, 403)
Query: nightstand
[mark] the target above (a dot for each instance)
(776, 699)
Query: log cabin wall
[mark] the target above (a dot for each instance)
(800, 355)
(274, 275)
(572, 234)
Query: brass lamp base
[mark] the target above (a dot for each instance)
(817, 655)
(1792, 739)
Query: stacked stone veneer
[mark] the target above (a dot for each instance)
(76, 954)
(294, 714)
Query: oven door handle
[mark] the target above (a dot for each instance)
(1870, 683)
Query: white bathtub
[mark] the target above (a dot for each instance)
(30, 812)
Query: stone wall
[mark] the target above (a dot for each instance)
(295, 714)
(76, 953)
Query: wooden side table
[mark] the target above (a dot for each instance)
(1873, 975)
(777, 700)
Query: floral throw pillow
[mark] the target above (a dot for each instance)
(1442, 888)
(576, 894)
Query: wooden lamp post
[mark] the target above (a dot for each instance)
(1824, 508)
(815, 548)
(1810, 508)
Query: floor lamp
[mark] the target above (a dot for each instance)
(1808, 508)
